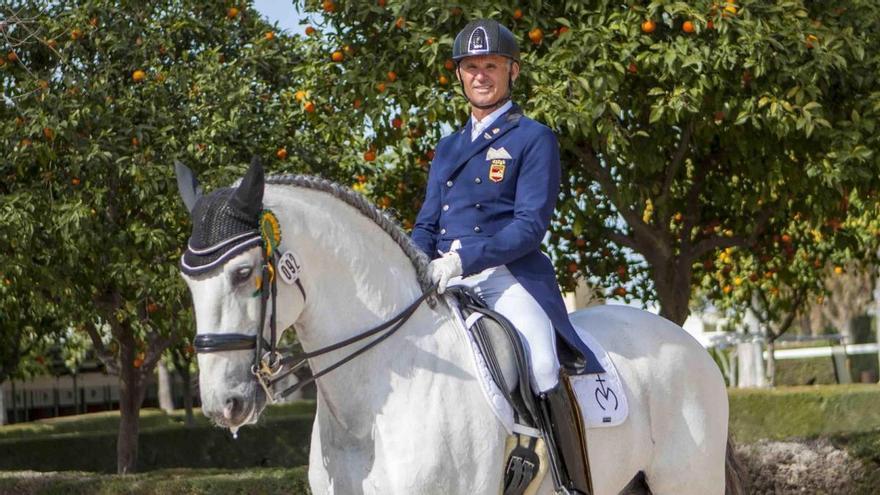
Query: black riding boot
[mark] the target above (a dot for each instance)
(561, 415)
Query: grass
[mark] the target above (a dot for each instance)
(268, 481)
(803, 412)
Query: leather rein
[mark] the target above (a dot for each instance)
(270, 367)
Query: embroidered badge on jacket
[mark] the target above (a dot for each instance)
(496, 170)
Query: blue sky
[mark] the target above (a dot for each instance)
(281, 11)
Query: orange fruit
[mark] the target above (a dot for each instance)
(710, 24)
(838, 270)
(52, 44)
(384, 202)
(810, 40)
(232, 12)
(138, 362)
(300, 95)
(397, 122)
(573, 267)
(309, 107)
(729, 9)
(93, 22)
(456, 11)
(135, 142)
(649, 26)
(449, 64)
(369, 156)
(786, 238)
(328, 6)
(76, 34)
(380, 87)
(580, 242)
(392, 76)
(727, 288)
(269, 36)
(562, 30)
(443, 80)
(357, 103)
(632, 68)
(75, 181)
(688, 27)
(620, 291)
(380, 3)
(536, 35)
(429, 41)
(11, 56)
(281, 153)
(138, 75)
(48, 133)
(517, 14)
(400, 23)
(337, 56)
(310, 30)
(152, 307)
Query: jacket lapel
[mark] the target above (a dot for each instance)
(465, 149)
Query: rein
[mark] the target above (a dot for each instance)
(269, 368)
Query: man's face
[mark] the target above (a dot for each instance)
(485, 77)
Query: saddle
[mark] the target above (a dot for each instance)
(554, 416)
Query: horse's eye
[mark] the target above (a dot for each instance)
(242, 274)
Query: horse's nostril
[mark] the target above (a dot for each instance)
(233, 408)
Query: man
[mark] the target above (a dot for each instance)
(491, 192)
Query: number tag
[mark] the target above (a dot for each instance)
(288, 268)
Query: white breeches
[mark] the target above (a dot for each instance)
(501, 291)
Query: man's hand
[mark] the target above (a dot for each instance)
(443, 269)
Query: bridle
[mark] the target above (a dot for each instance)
(270, 367)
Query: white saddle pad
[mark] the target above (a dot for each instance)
(601, 396)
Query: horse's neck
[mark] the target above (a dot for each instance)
(357, 277)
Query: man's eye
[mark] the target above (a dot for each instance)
(242, 274)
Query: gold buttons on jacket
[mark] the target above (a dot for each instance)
(449, 183)
(445, 207)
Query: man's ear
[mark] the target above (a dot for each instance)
(514, 70)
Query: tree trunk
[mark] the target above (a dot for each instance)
(877, 312)
(166, 397)
(131, 396)
(771, 361)
(672, 281)
(187, 394)
(2, 407)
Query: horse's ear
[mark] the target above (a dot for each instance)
(188, 185)
(248, 197)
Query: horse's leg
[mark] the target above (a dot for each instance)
(689, 425)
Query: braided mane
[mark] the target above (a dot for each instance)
(418, 258)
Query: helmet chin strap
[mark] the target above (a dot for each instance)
(497, 103)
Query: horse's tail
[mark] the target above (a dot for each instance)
(735, 475)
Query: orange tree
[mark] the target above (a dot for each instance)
(685, 127)
(99, 98)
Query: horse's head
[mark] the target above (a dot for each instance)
(227, 265)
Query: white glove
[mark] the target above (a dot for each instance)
(443, 269)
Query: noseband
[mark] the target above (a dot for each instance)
(270, 367)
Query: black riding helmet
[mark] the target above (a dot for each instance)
(485, 37)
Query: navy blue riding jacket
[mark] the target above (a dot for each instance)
(496, 194)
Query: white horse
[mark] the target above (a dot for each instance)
(408, 416)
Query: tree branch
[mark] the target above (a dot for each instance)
(716, 242)
(101, 350)
(603, 176)
(672, 171)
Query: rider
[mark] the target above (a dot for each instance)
(491, 192)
